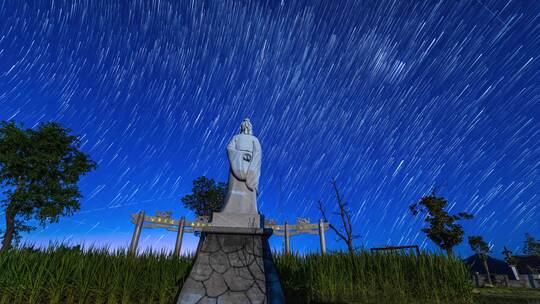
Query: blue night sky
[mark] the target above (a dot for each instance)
(388, 97)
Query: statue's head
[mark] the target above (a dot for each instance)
(246, 127)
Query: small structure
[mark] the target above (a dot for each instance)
(164, 220)
(528, 266)
(524, 274)
(500, 271)
(302, 226)
(394, 248)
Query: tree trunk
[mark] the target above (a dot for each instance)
(487, 272)
(10, 230)
(350, 246)
(449, 252)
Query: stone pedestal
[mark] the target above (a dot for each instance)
(227, 219)
(233, 266)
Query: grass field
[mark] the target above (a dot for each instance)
(374, 278)
(63, 275)
(507, 296)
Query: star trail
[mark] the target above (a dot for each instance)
(390, 98)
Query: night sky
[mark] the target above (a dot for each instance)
(390, 98)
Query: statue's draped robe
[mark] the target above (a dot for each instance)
(244, 153)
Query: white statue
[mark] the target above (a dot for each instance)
(244, 153)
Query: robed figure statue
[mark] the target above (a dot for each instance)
(233, 252)
(244, 154)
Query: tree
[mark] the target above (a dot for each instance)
(481, 248)
(443, 229)
(509, 258)
(532, 246)
(207, 196)
(346, 233)
(39, 172)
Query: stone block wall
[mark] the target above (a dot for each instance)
(232, 268)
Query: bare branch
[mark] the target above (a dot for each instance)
(345, 214)
(321, 209)
(323, 214)
(338, 233)
(342, 211)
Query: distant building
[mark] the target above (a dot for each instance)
(496, 266)
(502, 274)
(528, 264)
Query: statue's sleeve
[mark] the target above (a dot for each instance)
(254, 171)
(235, 160)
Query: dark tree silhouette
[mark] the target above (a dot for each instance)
(509, 257)
(481, 248)
(532, 246)
(443, 229)
(345, 233)
(207, 196)
(39, 172)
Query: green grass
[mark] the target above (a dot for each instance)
(374, 278)
(507, 296)
(62, 275)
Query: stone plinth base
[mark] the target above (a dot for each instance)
(235, 230)
(233, 268)
(222, 219)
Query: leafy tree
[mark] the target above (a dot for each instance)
(481, 248)
(532, 246)
(443, 229)
(39, 172)
(207, 196)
